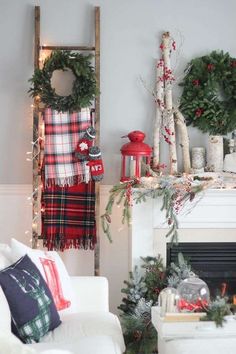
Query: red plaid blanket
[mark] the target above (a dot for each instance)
(68, 217)
(62, 133)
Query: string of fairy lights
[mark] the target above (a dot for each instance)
(35, 157)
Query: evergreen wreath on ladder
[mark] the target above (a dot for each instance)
(84, 87)
(208, 101)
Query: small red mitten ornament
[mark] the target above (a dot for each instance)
(82, 149)
(95, 163)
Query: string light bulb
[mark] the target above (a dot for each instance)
(33, 157)
(34, 226)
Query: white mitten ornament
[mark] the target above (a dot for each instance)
(82, 149)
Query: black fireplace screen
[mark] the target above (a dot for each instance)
(215, 263)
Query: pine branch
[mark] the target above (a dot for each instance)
(217, 310)
(179, 271)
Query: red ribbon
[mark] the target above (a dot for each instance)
(192, 306)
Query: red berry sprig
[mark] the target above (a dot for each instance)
(167, 136)
(210, 67)
(162, 47)
(160, 103)
(160, 63)
(167, 75)
(233, 64)
(129, 194)
(196, 82)
(199, 112)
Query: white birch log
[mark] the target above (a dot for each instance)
(215, 153)
(159, 112)
(184, 140)
(166, 41)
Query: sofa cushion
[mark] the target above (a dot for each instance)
(86, 324)
(32, 307)
(10, 344)
(53, 270)
(5, 317)
(85, 345)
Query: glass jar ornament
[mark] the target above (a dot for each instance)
(194, 295)
(168, 300)
(133, 154)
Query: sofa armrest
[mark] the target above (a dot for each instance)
(91, 293)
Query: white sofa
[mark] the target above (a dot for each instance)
(91, 329)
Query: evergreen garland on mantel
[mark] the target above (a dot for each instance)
(175, 193)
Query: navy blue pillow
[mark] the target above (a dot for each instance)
(31, 304)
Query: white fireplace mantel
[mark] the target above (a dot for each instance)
(209, 218)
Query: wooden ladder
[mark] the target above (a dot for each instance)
(36, 206)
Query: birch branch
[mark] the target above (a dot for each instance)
(166, 45)
(184, 138)
(159, 99)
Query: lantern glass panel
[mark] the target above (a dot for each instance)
(132, 166)
(135, 166)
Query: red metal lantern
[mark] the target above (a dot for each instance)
(133, 154)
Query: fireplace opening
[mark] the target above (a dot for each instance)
(215, 263)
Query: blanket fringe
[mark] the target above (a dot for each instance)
(66, 181)
(59, 243)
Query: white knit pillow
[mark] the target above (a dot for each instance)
(5, 256)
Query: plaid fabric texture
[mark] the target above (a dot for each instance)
(38, 326)
(62, 133)
(68, 219)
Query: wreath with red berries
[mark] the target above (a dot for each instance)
(208, 101)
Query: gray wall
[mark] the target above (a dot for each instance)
(130, 32)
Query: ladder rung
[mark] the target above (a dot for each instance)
(39, 237)
(66, 47)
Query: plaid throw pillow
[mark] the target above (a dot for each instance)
(53, 271)
(32, 308)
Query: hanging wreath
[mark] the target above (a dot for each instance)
(84, 86)
(209, 96)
